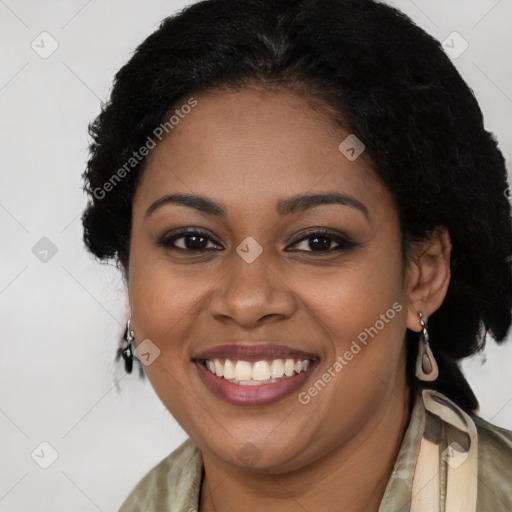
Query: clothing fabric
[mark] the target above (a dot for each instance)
(448, 461)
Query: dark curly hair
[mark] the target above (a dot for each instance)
(389, 82)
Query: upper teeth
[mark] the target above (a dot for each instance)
(257, 371)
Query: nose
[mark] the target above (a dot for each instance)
(251, 294)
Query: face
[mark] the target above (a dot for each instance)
(266, 281)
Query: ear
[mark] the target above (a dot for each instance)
(428, 276)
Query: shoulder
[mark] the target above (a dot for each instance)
(494, 466)
(494, 444)
(172, 484)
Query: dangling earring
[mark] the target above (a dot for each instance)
(127, 351)
(426, 365)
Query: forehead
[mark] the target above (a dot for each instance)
(253, 146)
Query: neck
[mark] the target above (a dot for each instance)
(352, 476)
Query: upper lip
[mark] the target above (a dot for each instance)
(251, 352)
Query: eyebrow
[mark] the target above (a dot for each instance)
(288, 206)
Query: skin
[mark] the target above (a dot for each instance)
(247, 150)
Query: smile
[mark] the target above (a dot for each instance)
(257, 373)
(253, 374)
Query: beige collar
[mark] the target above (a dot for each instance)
(436, 468)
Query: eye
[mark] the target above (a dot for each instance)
(321, 241)
(188, 240)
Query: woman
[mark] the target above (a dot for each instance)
(313, 226)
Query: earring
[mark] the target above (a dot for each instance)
(127, 351)
(426, 365)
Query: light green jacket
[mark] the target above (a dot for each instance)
(174, 484)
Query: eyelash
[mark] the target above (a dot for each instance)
(344, 242)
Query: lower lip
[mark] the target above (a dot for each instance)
(259, 394)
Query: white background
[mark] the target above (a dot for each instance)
(61, 320)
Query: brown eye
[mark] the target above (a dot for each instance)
(321, 241)
(188, 241)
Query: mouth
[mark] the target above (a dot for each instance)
(256, 374)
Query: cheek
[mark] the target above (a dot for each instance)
(163, 302)
(366, 304)
(162, 297)
(363, 311)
